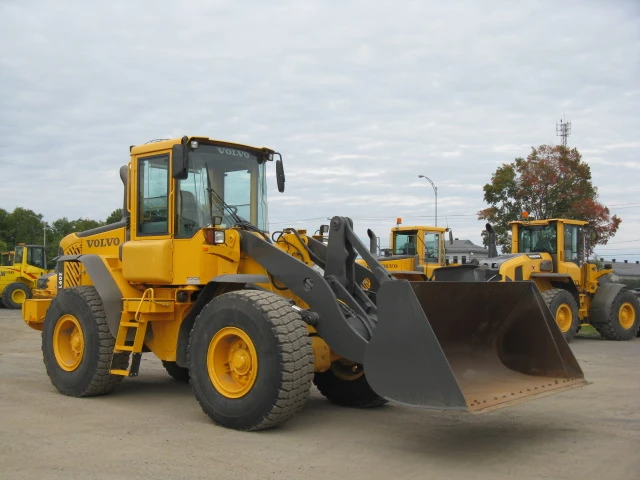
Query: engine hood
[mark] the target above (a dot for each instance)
(496, 262)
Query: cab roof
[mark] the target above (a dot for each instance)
(548, 221)
(406, 228)
(166, 144)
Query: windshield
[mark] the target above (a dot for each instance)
(537, 238)
(222, 182)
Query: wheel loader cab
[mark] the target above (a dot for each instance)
(562, 240)
(174, 193)
(427, 244)
(220, 182)
(30, 256)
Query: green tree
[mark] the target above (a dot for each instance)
(83, 224)
(114, 217)
(24, 226)
(552, 182)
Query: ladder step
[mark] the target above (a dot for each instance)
(130, 324)
(114, 371)
(123, 348)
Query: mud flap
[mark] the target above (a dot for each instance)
(467, 345)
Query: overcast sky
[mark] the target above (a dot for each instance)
(360, 97)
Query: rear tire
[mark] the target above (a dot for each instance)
(564, 309)
(178, 373)
(623, 319)
(14, 295)
(344, 384)
(77, 346)
(250, 360)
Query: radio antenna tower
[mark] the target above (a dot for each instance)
(563, 129)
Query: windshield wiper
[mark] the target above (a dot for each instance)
(215, 198)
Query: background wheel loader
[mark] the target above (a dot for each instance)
(414, 252)
(551, 253)
(19, 277)
(252, 320)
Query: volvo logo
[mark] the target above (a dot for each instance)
(235, 153)
(103, 242)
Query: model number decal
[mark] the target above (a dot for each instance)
(193, 280)
(534, 256)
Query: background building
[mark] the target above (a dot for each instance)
(463, 251)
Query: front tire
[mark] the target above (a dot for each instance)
(250, 360)
(15, 294)
(77, 346)
(564, 309)
(623, 319)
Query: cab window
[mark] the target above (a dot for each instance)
(153, 188)
(35, 257)
(405, 243)
(571, 243)
(431, 247)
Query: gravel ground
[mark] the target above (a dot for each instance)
(151, 427)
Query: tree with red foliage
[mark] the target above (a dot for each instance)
(553, 182)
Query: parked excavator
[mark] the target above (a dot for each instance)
(18, 278)
(191, 275)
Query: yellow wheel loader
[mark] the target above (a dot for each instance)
(414, 252)
(19, 277)
(252, 320)
(551, 253)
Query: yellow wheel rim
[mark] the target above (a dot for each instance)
(627, 315)
(68, 342)
(564, 317)
(232, 362)
(18, 296)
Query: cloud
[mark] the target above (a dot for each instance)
(359, 97)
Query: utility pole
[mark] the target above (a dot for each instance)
(563, 129)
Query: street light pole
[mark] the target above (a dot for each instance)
(435, 190)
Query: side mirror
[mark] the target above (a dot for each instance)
(450, 237)
(280, 174)
(324, 229)
(180, 167)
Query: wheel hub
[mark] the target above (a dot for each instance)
(232, 362)
(18, 296)
(564, 318)
(627, 315)
(68, 343)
